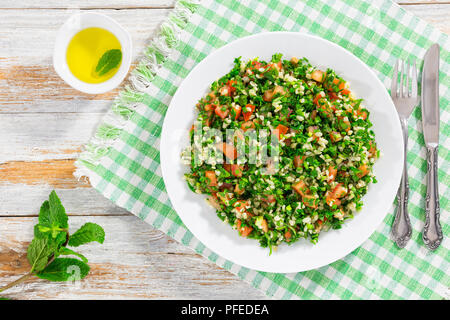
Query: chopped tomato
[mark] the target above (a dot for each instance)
(316, 99)
(364, 170)
(211, 175)
(227, 167)
(279, 130)
(240, 206)
(269, 198)
(298, 161)
(335, 136)
(341, 83)
(231, 88)
(331, 200)
(361, 113)
(346, 91)
(212, 200)
(344, 123)
(224, 91)
(238, 190)
(318, 75)
(236, 111)
(264, 225)
(210, 118)
(228, 150)
(236, 170)
(210, 106)
(310, 201)
(247, 125)
(248, 111)
(244, 231)
(332, 172)
(333, 96)
(256, 65)
(269, 94)
(339, 191)
(277, 65)
(325, 110)
(301, 188)
(279, 89)
(238, 134)
(222, 112)
(210, 97)
(288, 235)
(322, 106)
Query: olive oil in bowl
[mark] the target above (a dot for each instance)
(94, 55)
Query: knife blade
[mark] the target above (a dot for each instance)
(432, 232)
(430, 96)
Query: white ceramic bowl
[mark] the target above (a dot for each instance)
(80, 22)
(201, 218)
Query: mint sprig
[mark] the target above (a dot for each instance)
(110, 60)
(51, 238)
(87, 233)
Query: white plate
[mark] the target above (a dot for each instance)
(201, 219)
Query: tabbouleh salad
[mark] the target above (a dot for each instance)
(326, 150)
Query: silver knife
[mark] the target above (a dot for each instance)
(432, 232)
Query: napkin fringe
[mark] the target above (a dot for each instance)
(124, 106)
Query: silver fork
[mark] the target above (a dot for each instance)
(405, 99)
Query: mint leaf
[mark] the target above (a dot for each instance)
(64, 269)
(44, 214)
(109, 60)
(52, 218)
(39, 252)
(57, 211)
(87, 233)
(67, 252)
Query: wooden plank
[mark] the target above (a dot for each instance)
(29, 84)
(30, 34)
(55, 173)
(437, 15)
(25, 200)
(87, 4)
(423, 2)
(45, 136)
(120, 4)
(135, 261)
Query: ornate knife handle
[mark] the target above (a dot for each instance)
(432, 231)
(402, 230)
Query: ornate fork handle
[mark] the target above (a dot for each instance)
(432, 232)
(402, 230)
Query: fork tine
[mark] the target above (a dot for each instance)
(402, 76)
(408, 78)
(394, 80)
(414, 80)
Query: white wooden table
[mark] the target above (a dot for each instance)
(43, 125)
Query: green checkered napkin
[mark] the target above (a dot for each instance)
(122, 160)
